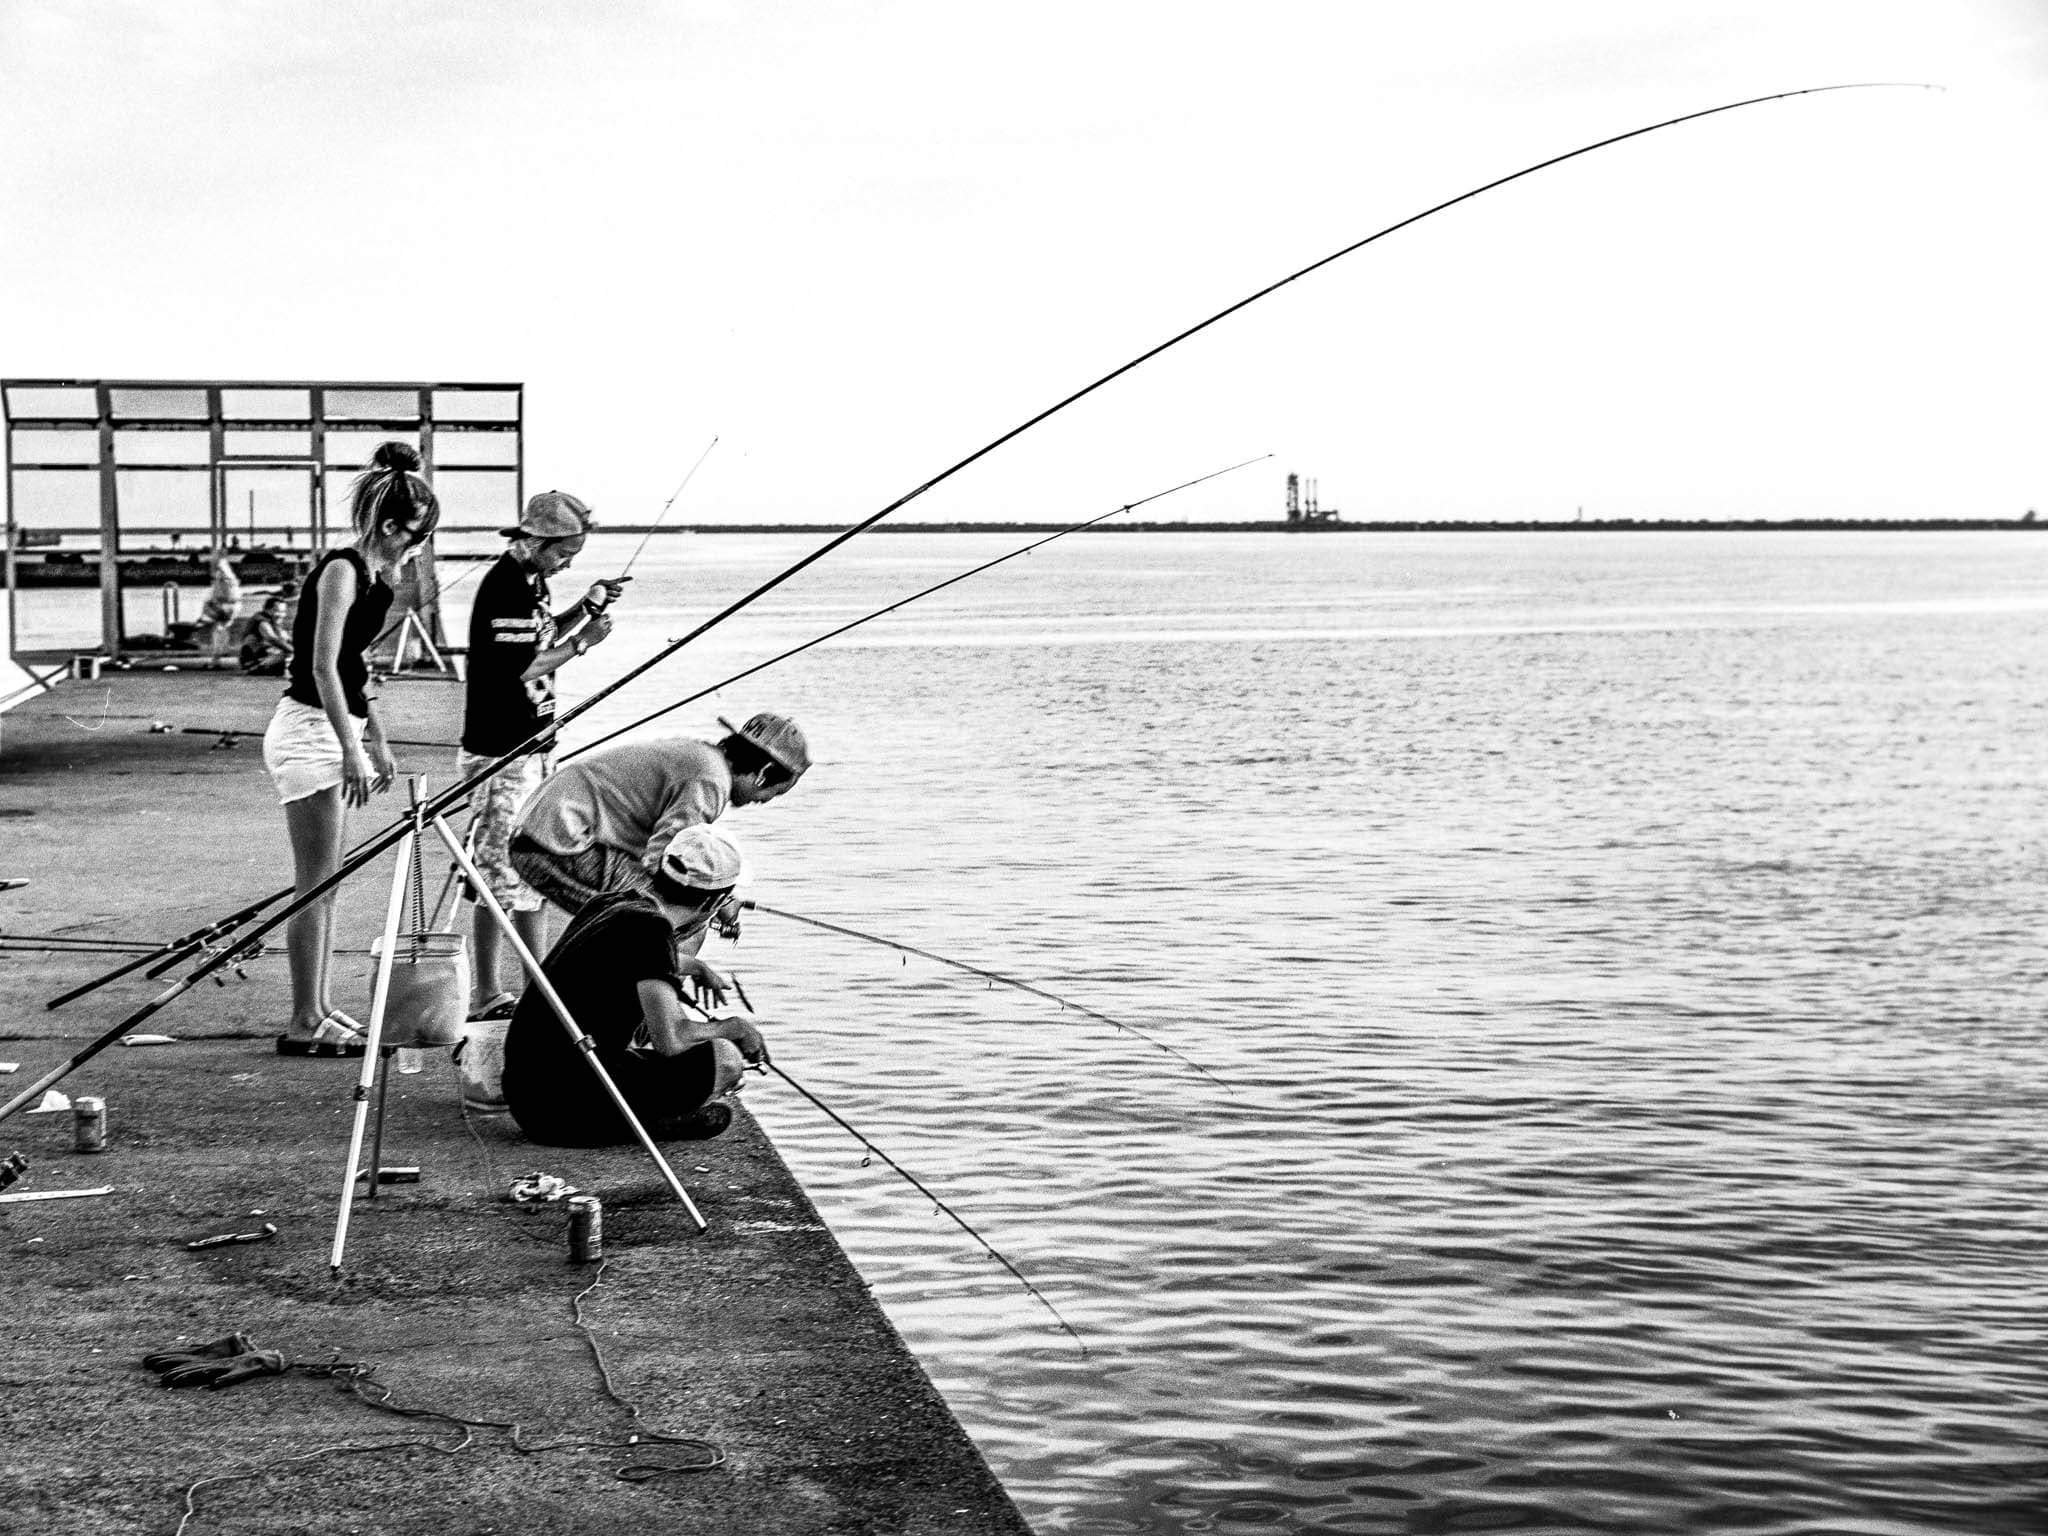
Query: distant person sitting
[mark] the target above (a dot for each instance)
(617, 972)
(267, 647)
(603, 820)
(223, 605)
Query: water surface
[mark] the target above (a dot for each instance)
(1623, 953)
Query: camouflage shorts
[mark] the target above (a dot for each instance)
(497, 803)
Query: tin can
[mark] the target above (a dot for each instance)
(89, 1124)
(586, 1229)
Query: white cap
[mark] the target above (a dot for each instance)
(702, 859)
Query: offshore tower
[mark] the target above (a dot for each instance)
(1304, 512)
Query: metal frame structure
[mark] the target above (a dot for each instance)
(157, 426)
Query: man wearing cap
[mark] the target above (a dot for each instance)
(617, 972)
(603, 822)
(516, 643)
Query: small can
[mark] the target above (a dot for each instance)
(89, 1124)
(586, 1229)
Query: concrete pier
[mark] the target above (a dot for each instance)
(754, 1342)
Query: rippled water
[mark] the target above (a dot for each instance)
(1624, 954)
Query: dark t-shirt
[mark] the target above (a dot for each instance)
(365, 618)
(615, 943)
(509, 624)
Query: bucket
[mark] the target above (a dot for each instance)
(480, 1065)
(429, 989)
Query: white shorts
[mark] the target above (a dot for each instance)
(302, 752)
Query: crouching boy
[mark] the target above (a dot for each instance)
(618, 969)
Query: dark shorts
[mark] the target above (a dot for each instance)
(570, 880)
(663, 1091)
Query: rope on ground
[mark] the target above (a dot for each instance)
(356, 1378)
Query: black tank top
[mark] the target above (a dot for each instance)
(365, 618)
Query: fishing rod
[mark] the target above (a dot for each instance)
(833, 634)
(765, 1066)
(177, 949)
(919, 1185)
(992, 976)
(191, 943)
(664, 509)
(172, 954)
(60, 944)
(442, 588)
(441, 801)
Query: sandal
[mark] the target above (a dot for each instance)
(499, 1007)
(332, 1038)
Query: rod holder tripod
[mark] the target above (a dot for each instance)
(375, 1071)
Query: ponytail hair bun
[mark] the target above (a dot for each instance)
(392, 490)
(396, 455)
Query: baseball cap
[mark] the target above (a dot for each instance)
(778, 736)
(702, 859)
(551, 515)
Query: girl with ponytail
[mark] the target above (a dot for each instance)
(325, 748)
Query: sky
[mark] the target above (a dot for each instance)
(856, 242)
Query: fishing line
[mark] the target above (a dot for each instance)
(1008, 981)
(833, 634)
(765, 1066)
(919, 1186)
(429, 599)
(436, 806)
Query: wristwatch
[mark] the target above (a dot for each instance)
(579, 645)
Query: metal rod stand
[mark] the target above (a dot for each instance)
(385, 1053)
(584, 1043)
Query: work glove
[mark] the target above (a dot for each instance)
(165, 1360)
(226, 1372)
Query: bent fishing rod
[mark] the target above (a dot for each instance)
(445, 798)
(171, 955)
(991, 976)
(833, 634)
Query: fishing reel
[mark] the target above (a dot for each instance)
(725, 920)
(210, 951)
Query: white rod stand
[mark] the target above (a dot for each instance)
(379, 992)
(584, 1044)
